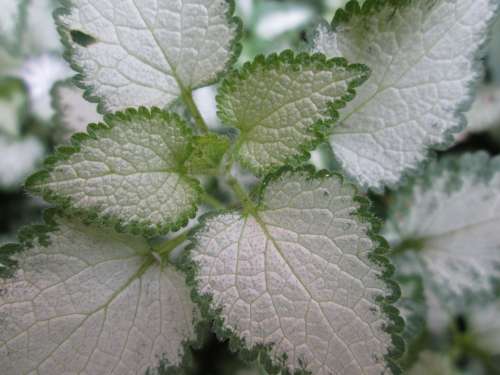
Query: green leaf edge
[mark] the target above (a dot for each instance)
(263, 352)
(39, 232)
(78, 79)
(369, 7)
(93, 215)
(13, 47)
(415, 342)
(231, 83)
(478, 165)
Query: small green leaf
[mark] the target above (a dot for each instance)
(128, 171)
(207, 154)
(282, 104)
(301, 279)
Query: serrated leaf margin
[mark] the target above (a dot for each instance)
(370, 7)
(263, 352)
(320, 128)
(27, 235)
(92, 215)
(79, 81)
(480, 166)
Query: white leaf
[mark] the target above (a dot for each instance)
(423, 58)
(148, 53)
(73, 112)
(450, 218)
(18, 158)
(93, 303)
(280, 103)
(297, 274)
(128, 172)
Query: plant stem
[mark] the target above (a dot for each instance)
(164, 249)
(242, 195)
(211, 201)
(187, 96)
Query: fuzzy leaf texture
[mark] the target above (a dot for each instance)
(282, 103)
(448, 222)
(424, 61)
(127, 172)
(147, 53)
(301, 274)
(88, 301)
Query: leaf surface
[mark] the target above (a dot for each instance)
(135, 53)
(91, 302)
(127, 172)
(282, 103)
(424, 61)
(448, 220)
(301, 275)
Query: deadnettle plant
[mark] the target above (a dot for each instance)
(289, 266)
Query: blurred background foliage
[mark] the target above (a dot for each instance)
(30, 128)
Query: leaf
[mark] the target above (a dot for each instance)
(88, 301)
(303, 274)
(128, 171)
(131, 53)
(12, 19)
(13, 106)
(424, 58)
(207, 153)
(448, 220)
(25, 154)
(282, 103)
(73, 112)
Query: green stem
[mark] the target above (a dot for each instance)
(242, 195)
(164, 249)
(211, 201)
(187, 96)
